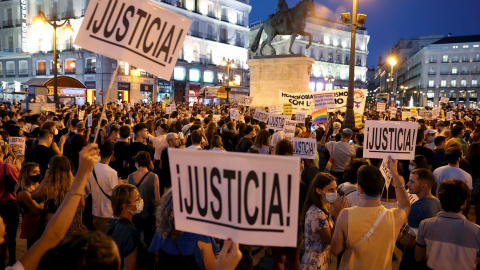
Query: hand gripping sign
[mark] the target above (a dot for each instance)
(395, 139)
(252, 199)
(139, 32)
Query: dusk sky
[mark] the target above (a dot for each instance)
(390, 20)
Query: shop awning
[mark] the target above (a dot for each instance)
(62, 82)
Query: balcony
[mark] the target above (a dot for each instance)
(167, 2)
(432, 73)
(241, 23)
(476, 60)
(10, 73)
(41, 72)
(196, 34)
(239, 43)
(90, 70)
(465, 72)
(455, 60)
(211, 37)
(444, 61)
(224, 18)
(7, 23)
(223, 40)
(23, 73)
(444, 73)
(211, 14)
(68, 15)
(454, 73)
(432, 61)
(475, 72)
(71, 71)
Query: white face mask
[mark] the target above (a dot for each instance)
(139, 207)
(411, 167)
(55, 132)
(432, 138)
(330, 197)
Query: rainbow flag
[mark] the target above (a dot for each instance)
(320, 116)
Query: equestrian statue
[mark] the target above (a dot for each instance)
(285, 22)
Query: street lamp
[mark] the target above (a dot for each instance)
(357, 22)
(41, 18)
(392, 61)
(229, 64)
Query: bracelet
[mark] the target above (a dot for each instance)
(75, 193)
(399, 186)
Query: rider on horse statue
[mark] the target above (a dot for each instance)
(282, 11)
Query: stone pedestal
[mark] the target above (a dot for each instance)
(271, 75)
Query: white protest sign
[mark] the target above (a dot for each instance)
(89, 120)
(300, 101)
(435, 112)
(449, 116)
(359, 99)
(248, 101)
(278, 109)
(18, 145)
(393, 112)
(304, 148)
(381, 107)
(170, 109)
(300, 117)
(241, 101)
(395, 139)
(289, 128)
(260, 116)
(425, 114)
(81, 115)
(444, 100)
(324, 101)
(386, 173)
(276, 121)
(234, 114)
(406, 115)
(147, 35)
(252, 199)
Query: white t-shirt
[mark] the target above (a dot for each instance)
(194, 147)
(108, 179)
(159, 143)
(277, 136)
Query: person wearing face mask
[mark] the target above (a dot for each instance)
(126, 202)
(430, 138)
(148, 185)
(30, 209)
(374, 249)
(318, 221)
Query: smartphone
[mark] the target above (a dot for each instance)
(350, 142)
(312, 128)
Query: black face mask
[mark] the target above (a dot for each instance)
(35, 178)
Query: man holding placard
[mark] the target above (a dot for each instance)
(341, 152)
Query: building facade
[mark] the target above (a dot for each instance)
(219, 30)
(331, 50)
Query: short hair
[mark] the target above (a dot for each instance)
(420, 135)
(350, 172)
(457, 129)
(44, 134)
(196, 136)
(143, 159)
(284, 148)
(125, 131)
(425, 176)
(371, 180)
(121, 195)
(453, 194)
(170, 136)
(230, 125)
(439, 140)
(452, 154)
(139, 127)
(248, 129)
(106, 149)
(253, 150)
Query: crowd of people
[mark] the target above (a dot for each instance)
(105, 201)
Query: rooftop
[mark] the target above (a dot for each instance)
(458, 39)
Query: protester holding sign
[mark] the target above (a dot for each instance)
(341, 152)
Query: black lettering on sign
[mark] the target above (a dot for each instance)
(390, 140)
(216, 193)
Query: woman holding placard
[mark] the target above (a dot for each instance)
(318, 220)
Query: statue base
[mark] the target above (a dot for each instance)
(271, 75)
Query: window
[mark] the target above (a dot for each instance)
(70, 66)
(433, 59)
(476, 57)
(474, 83)
(90, 65)
(208, 76)
(430, 94)
(465, 58)
(1, 68)
(319, 86)
(463, 94)
(475, 46)
(10, 67)
(464, 70)
(445, 58)
(473, 95)
(455, 58)
(311, 86)
(463, 82)
(453, 83)
(430, 103)
(194, 75)
(443, 83)
(444, 71)
(465, 46)
(454, 70)
(443, 94)
(179, 73)
(453, 94)
(431, 71)
(41, 68)
(431, 83)
(455, 47)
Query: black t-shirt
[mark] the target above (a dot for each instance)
(165, 176)
(244, 144)
(42, 156)
(120, 152)
(133, 150)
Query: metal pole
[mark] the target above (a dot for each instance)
(350, 116)
(228, 82)
(392, 98)
(55, 69)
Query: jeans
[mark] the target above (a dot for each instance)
(11, 218)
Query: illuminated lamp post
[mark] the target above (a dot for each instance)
(392, 63)
(229, 64)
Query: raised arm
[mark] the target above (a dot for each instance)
(398, 182)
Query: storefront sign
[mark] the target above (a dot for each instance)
(90, 85)
(146, 87)
(124, 86)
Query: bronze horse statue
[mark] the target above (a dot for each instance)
(280, 24)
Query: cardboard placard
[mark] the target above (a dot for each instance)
(260, 116)
(435, 112)
(425, 114)
(81, 115)
(247, 101)
(19, 142)
(170, 109)
(467, 118)
(304, 148)
(300, 101)
(406, 115)
(395, 139)
(386, 173)
(277, 109)
(358, 120)
(252, 199)
(393, 113)
(276, 121)
(324, 100)
(381, 106)
(289, 128)
(300, 117)
(234, 114)
(89, 120)
(444, 100)
(449, 116)
(148, 35)
(287, 109)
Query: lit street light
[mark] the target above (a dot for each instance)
(357, 22)
(229, 64)
(42, 19)
(392, 61)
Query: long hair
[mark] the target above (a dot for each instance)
(262, 138)
(211, 130)
(59, 178)
(313, 198)
(23, 182)
(165, 218)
